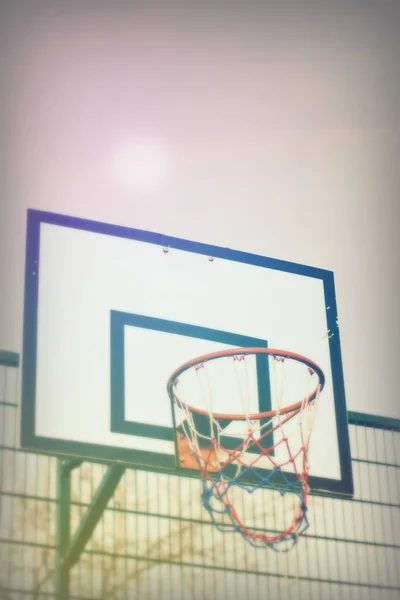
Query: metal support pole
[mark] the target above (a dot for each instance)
(89, 521)
(63, 532)
(68, 551)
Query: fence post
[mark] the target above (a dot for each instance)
(63, 525)
(63, 531)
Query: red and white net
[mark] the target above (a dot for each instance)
(247, 416)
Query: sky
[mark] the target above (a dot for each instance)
(273, 131)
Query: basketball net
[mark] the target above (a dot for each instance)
(241, 453)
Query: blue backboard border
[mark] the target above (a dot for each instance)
(30, 440)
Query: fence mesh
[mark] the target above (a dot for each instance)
(154, 539)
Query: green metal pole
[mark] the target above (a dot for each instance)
(93, 514)
(63, 531)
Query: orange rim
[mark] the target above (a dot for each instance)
(244, 352)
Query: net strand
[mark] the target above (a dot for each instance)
(227, 463)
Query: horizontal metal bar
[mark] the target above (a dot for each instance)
(205, 522)
(46, 594)
(357, 418)
(375, 462)
(374, 503)
(9, 359)
(23, 451)
(29, 544)
(29, 497)
(76, 503)
(165, 516)
(142, 558)
(245, 571)
(9, 404)
(8, 590)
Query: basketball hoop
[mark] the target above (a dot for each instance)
(247, 450)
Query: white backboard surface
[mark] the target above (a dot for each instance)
(110, 312)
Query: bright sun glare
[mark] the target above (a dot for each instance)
(141, 164)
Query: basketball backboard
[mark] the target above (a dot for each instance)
(110, 312)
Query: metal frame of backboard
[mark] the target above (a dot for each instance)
(146, 459)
